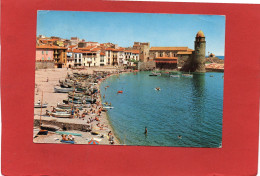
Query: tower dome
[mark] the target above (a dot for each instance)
(200, 34)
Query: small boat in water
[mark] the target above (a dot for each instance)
(108, 107)
(175, 76)
(155, 74)
(187, 75)
(119, 92)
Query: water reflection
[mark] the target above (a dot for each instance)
(198, 96)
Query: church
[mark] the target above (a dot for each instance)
(182, 58)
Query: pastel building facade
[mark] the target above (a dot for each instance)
(44, 58)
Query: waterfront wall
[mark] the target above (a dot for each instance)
(44, 65)
(150, 65)
(64, 126)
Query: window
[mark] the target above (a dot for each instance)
(79, 55)
(76, 56)
(42, 58)
(47, 52)
(49, 58)
(42, 52)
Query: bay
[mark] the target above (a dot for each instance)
(186, 112)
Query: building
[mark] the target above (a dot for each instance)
(143, 50)
(169, 57)
(196, 62)
(44, 57)
(52, 52)
(77, 57)
(182, 58)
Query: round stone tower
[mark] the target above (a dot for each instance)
(200, 51)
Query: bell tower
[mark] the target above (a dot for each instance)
(199, 59)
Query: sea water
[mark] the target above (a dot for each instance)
(185, 112)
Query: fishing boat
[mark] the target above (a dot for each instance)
(175, 76)
(62, 110)
(37, 105)
(42, 131)
(187, 75)
(69, 106)
(155, 74)
(62, 90)
(108, 107)
(60, 115)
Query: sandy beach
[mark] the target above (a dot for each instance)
(45, 81)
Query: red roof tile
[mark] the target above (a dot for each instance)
(50, 47)
(168, 48)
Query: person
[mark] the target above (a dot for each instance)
(145, 130)
(39, 102)
(179, 136)
(109, 133)
(104, 96)
(47, 79)
(64, 137)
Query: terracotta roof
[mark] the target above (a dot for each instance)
(135, 51)
(76, 51)
(184, 52)
(50, 47)
(72, 46)
(109, 49)
(190, 49)
(102, 54)
(170, 58)
(169, 48)
(86, 48)
(96, 49)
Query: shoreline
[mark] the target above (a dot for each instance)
(53, 98)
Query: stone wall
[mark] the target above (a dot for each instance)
(183, 59)
(63, 126)
(150, 65)
(44, 65)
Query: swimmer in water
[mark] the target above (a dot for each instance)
(145, 130)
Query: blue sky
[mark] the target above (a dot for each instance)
(125, 28)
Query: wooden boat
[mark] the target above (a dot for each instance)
(175, 76)
(42, 132)
(60, 115)
(37, 105)
(108, 107)
(119, 92)
(62, 90)
(69, 106)
(187, 75)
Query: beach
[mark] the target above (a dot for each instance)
(45, 81)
